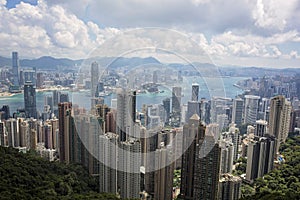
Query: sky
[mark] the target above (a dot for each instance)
(263, 33)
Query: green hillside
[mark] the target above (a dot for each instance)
(282, 183)
(27, 176)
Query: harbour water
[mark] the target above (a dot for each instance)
(83, 99)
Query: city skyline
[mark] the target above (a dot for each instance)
(156, 100)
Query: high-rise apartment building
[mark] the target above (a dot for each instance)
(64, 116)
(261, 128)
(126, 113)
(260, 157)
(279, 120)
(229, 187)
(237, 111)
(200, 162)
(129, 162)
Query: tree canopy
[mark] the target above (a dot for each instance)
(27, 176)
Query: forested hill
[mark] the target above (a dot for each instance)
(27, 176)
(282, 183)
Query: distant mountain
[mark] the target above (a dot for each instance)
(5, 61)
(48, 62)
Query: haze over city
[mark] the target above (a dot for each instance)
(150, 100)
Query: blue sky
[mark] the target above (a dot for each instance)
(233, 32)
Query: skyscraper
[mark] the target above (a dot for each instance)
(207, 168)
(30, 100)
(126, 113)
(129, 162)
(237, 111)
(64, 113)
(229, 187)
(15, 68)
(163, 176)
(261, 128)
(260, 157)
(251, 109)
(167, 108)
(195, 92)
(194, 105)
(176, 99)
(200, 162)
(279, 121)
(176, 106)
(94, 78)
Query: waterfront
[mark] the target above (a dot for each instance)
(83, 99)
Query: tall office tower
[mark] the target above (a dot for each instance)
(167, 107)
(129, 155)
(251, 109)
(24, 134)
(48, 100)
(94, 78)
(195, 92)
(126, 113)
(29, 76)
(263, 108)
(40, 80)
(176, 106)
(176, 99)
(260, 157)
(64, 117)
(261, 128)
(205, 110)
(193, 108)
(237, 111)
(229, 187)
(15, 68)
(3, 134)
(30, 100)
(279, 121)
(12, 128)
(56, 95)
(226, 162)
(163, 176)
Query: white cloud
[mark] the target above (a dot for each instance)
(232, 30)
(273, 14)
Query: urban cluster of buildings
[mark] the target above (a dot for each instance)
(134, 153)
